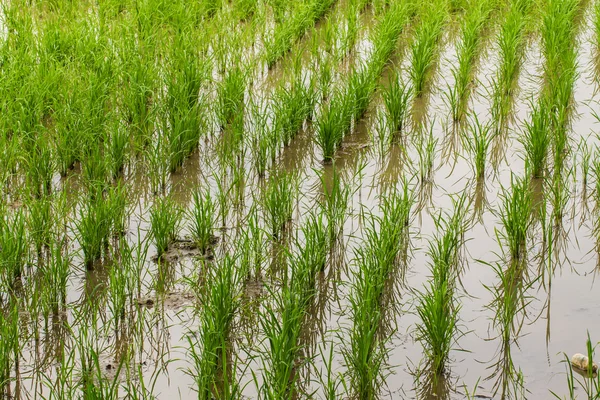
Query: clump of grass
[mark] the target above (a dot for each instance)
(165, 219)
(231, 95)
(292, 106)
(93, 229)
(203, 218)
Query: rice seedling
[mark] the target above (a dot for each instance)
(55, 275)
(336, 198)
(478, 144)
(203, 218)
(40, 222)
(231, 95)
(13, 242)
(426, 150)
(516, 217)
(93, 229)
(395, 99)
(165, 219)
(424, 47)
(117, 149)
(468, 51)
(9, 351)
(278, 202)
(536, 141)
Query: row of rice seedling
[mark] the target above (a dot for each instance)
(292, 29)
(386, 247)
(211, 351)
(558, 33)
(511, 41)
(476, 19)
(282, 321)
(438, 308)
(350, 102)
(426, 44)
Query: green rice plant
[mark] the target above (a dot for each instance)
(468, 51)
(40, 222)
(117, 149)
(9, 328)
(290, 30)
(117, 203)
(203, 219)
(214, 372)
(283, 329)
(478, 144)
(94, 170)
(14, 244)
(349, 103)
(280, 377)
(231, 95)
(426, 151)
(511, 41)
(425, 45)
(55, 275)
(336, 199)
(181, 119)
(509, 305)
(278, 201)
(536, 141)
(438, 308)
(119, 293)
(516, 217)
(138, 100)
(246, 8)
(395, 99)
(292, 106)
(93, 228)
(158, 169)
(40, 168)
(165, 220)
(331, 125)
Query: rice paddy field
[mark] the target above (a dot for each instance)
(301, 199)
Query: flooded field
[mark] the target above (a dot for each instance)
(320, 199)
